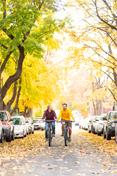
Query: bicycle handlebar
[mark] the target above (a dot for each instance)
(49, 120)
(66, 121)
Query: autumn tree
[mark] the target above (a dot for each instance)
(24, 28)
(99, 38)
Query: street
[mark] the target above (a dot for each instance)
(81, 158)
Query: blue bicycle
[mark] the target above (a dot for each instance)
(49, 134)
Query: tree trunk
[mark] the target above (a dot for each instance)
(10, 102)
(16, 107)
(15, 76)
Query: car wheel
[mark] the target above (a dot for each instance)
(1, 137)
(116, 138)
(25, 134)
(104, 135)
(89, 130)
(108, 136)
(13, 136)
(99, 134)
(8, 136)
(92, 129)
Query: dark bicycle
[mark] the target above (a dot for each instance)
(49, 134)
(67, 129)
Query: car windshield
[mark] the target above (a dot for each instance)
(113, 116)
(3, 116)
(17, 121)
(102, 117)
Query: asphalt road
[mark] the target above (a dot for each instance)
(80, 158)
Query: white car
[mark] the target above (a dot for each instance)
(36, 123)
(20, 129)
(42, 125)
(30, 126)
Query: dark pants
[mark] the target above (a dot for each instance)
(69, 125)
(46, 128)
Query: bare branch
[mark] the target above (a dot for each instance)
(103, 20)
(112, 93)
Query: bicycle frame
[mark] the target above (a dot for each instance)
(67, 129)
(49, 131)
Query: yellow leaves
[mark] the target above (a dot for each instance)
(83, 109)
(99, 94)
(114, 7)
(97, 64)
(39, 83)
(110, 147)
(52, 43)
(23, 147)
(2, 34)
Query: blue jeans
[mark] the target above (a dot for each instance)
(46, 128)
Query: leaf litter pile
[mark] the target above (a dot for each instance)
(110, 147)
(32, 144)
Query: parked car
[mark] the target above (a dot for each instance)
(84, 123)
(7, 126)
(99, 126)
(90, 124)
(1, 133)
(76, 123)
(20, 128)
(42, 125)
(94, 124)
(109, 127)
(30, 125)
(36, 123)
(116, 133)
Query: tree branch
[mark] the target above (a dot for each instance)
(16, 75)
(5, 62)
(10, 102)
(101, 19)
(112, 94)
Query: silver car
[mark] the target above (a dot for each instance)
(20, 129)
(29, 124)
(100, 124)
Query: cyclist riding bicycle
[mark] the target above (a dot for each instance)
(66, 115)
(49, 114)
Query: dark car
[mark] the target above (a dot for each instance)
(109, 127)
(7, 126)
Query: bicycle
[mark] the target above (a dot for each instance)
(67, 129)
(49, 132)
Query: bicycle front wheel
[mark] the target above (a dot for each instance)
(49, 138)
(65, 137)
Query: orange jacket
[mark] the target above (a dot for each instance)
(65, 115)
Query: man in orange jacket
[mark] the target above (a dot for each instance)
(66, 115)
